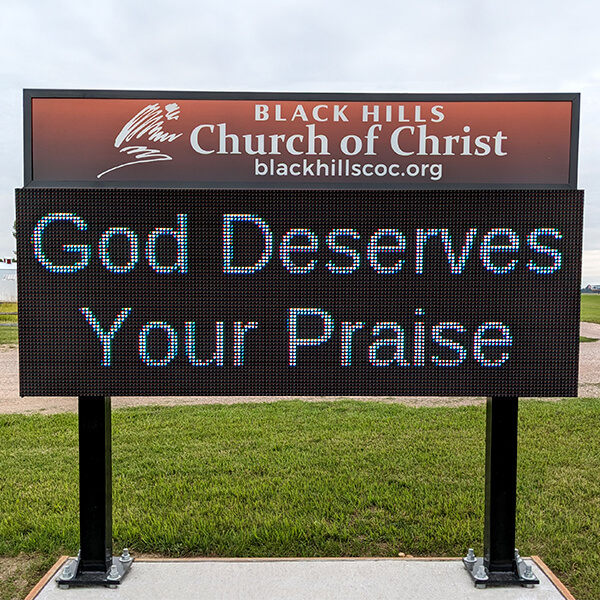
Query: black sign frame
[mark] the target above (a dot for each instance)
(30, 179)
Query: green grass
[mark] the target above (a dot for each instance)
(310, 479)
(304, 479)
(590, 308)
(8, 335)
(8, 307)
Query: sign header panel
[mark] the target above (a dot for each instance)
(313, 292)
(154, 139)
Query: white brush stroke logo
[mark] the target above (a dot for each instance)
(148, 122)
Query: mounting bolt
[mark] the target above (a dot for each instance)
(518, 558)
(529, 576)
(481, 576)
(470, 559)
(528, 573)
(68, 572)
(113, 574)
(126, 557)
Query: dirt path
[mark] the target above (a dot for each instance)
(10, 402)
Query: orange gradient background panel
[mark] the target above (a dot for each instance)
(73, 140)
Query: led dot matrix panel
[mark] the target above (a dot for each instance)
(283, 292)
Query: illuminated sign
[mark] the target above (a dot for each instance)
(394, 141)
(299, 292)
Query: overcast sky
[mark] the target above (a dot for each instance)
(463, 46)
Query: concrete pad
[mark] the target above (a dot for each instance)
(302, 579)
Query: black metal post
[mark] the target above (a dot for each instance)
(501, 563)
(95, 564)
(500, 483)
(95, 483)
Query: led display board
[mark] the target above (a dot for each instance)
(299, 292)
(249, 140)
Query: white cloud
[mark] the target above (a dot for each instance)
(590, 272)
(310, 45)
